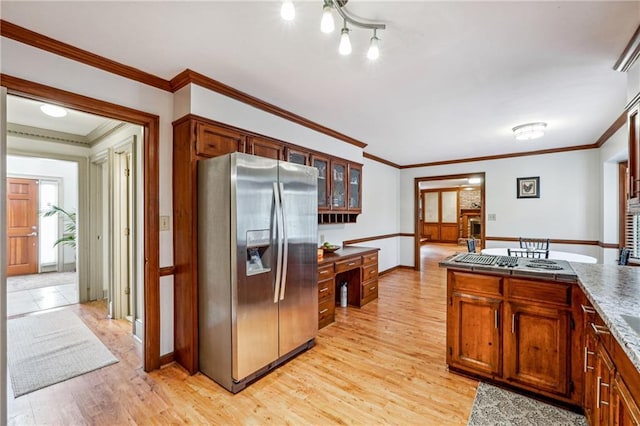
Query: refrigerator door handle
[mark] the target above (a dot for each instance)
(285, 243)
(278, 232)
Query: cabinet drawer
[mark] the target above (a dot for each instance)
(475, 283)
(326, 289)
(370, 258)
(326, 311)
(325, 271)
(212, 141)
(347, 264)
(369, 288)
(550, 293)
(370, 272)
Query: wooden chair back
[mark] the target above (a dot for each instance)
(533, 254)
(534, 243)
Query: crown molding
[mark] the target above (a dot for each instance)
(37, 133)
(630, 53)
(191, 77)
(32, 38)
(380, 160)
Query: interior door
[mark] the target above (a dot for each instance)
(22, 226)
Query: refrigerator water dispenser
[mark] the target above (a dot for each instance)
(258, 251)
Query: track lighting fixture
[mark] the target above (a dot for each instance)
(327, 25)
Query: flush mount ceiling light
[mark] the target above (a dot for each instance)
(327, 25)
(474, 180)
(529, 131)
(53, 110)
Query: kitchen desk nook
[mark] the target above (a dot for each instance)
(355, 266)
(563, 331)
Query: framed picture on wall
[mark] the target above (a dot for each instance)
(528, 187)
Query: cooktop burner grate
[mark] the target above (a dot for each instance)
(550, 267)
(543, 261)
(477, 259)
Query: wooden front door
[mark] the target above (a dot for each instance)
(22, 226)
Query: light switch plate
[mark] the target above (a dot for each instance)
(491, 216)
(164, 223)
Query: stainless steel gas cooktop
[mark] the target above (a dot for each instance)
(519, 264)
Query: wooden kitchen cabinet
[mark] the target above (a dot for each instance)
(338, 185)
(322, 165)
(536, 347)
(212, 141)
(265, 148)
(296, 156)
(514, 331)
(354, 190)
(339, 189)
(612, 383)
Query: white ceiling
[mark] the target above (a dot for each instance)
(452, 80)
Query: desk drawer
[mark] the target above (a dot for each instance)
(370, 272)
(348, 264)
(325, 271)
(369, 288)
(326, 312)
(326, 289)
(370, 258)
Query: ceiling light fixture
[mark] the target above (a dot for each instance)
(529, 131)
(288, 11)
(345, 43)
(327, 25)
(474, 180)
(53, 110)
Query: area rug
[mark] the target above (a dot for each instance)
(496, 406)
(49, 348)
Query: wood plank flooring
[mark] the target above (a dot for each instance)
(382, 364)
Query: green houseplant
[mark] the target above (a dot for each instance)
(69, 234)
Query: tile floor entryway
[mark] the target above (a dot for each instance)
(31, 293)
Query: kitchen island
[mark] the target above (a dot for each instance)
(543, 327)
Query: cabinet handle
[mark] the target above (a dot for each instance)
(495, 318)
(600, 329)
(324, 272)
(324, 310)
(373, 288)
(351, 263)
(599, 393)
(371, 272)
(324, 289)
(587, 309)
(587, 352)
(513, 323)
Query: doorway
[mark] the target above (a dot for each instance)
(448, 209)
(42, 197)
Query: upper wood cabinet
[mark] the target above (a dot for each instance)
(212, 141)
(339, 185)
(293, 155)
(633, 121)
(355, 188)
(322, 164)
(266, 148)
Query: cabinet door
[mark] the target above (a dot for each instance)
(322, 164)
(266, 148)
(626, 411)
(474, 333)
(295, 156)
(212, 141)
(536, 347)
(355, 188)
(589, 368)
(338, 185)
(605, 373)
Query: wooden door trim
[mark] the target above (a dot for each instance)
(151, 142)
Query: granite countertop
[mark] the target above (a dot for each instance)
(614, 291)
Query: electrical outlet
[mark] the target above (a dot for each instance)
(491, 216)
(164, 223)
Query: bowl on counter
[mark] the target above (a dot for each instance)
(330, 249)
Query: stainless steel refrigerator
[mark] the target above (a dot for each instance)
(257, 265)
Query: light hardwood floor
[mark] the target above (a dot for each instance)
(382, 364)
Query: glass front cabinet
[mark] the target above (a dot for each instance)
(339, 185)
(355, 188)
(322, 164)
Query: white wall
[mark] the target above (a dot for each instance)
(33, 64)
(568, 207)
(633, 81)
(380, 197)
